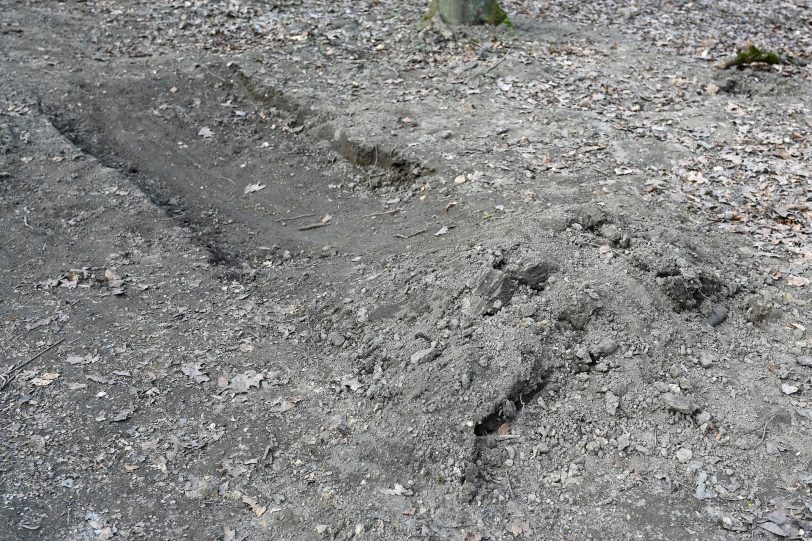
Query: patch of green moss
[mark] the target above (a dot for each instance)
(497, 15)
(429, 15)
(754, 55)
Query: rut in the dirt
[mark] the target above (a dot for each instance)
(399, 169)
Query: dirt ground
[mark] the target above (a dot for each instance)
(312, 270)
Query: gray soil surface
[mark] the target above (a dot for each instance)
(313, 270)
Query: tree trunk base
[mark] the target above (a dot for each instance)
(457, 12)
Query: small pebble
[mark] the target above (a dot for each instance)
(786, 388)
(684, 455)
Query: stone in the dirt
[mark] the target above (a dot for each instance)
(703, 417)
(679, 403)
(610, 232)
(424, 355)
(717, 316)
(684, 455)
(786, 388)
(705, 359)
(605, 348)
(612, 403)
(509, 410)
(804, 360)
(623, 441)
(589, 216)
(336, 339)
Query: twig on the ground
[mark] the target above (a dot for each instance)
(764, 431)
(294, 218)
(400, 236)
(213, 74)
(489, 68)
(374, 214)
(312, 226)
(8, 376)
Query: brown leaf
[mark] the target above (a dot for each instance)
(519, 527)
(258, 510)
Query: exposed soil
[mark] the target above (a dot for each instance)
(312, 270)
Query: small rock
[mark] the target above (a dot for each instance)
(678, 403)
(706, 359)
(703, 417)
(717, 316)
(610, 232)
(336, 339)
(509, 410)
(606, 348)
(684, 455)
(804, 360)
(623, 441)
(424, 355)
(612, 403)
(786, 388)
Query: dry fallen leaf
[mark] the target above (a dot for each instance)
(45, 379)
(113, 280)
(81, 359)
(281, 405)
(258, 510)
(195, 371)
(398, 490)
(798, 281)
(242, 382)
(251, 188)
(519, 527)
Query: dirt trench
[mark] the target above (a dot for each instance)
(149, 128)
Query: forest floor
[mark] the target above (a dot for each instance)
(310, 270)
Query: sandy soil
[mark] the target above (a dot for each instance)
(301, 270)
